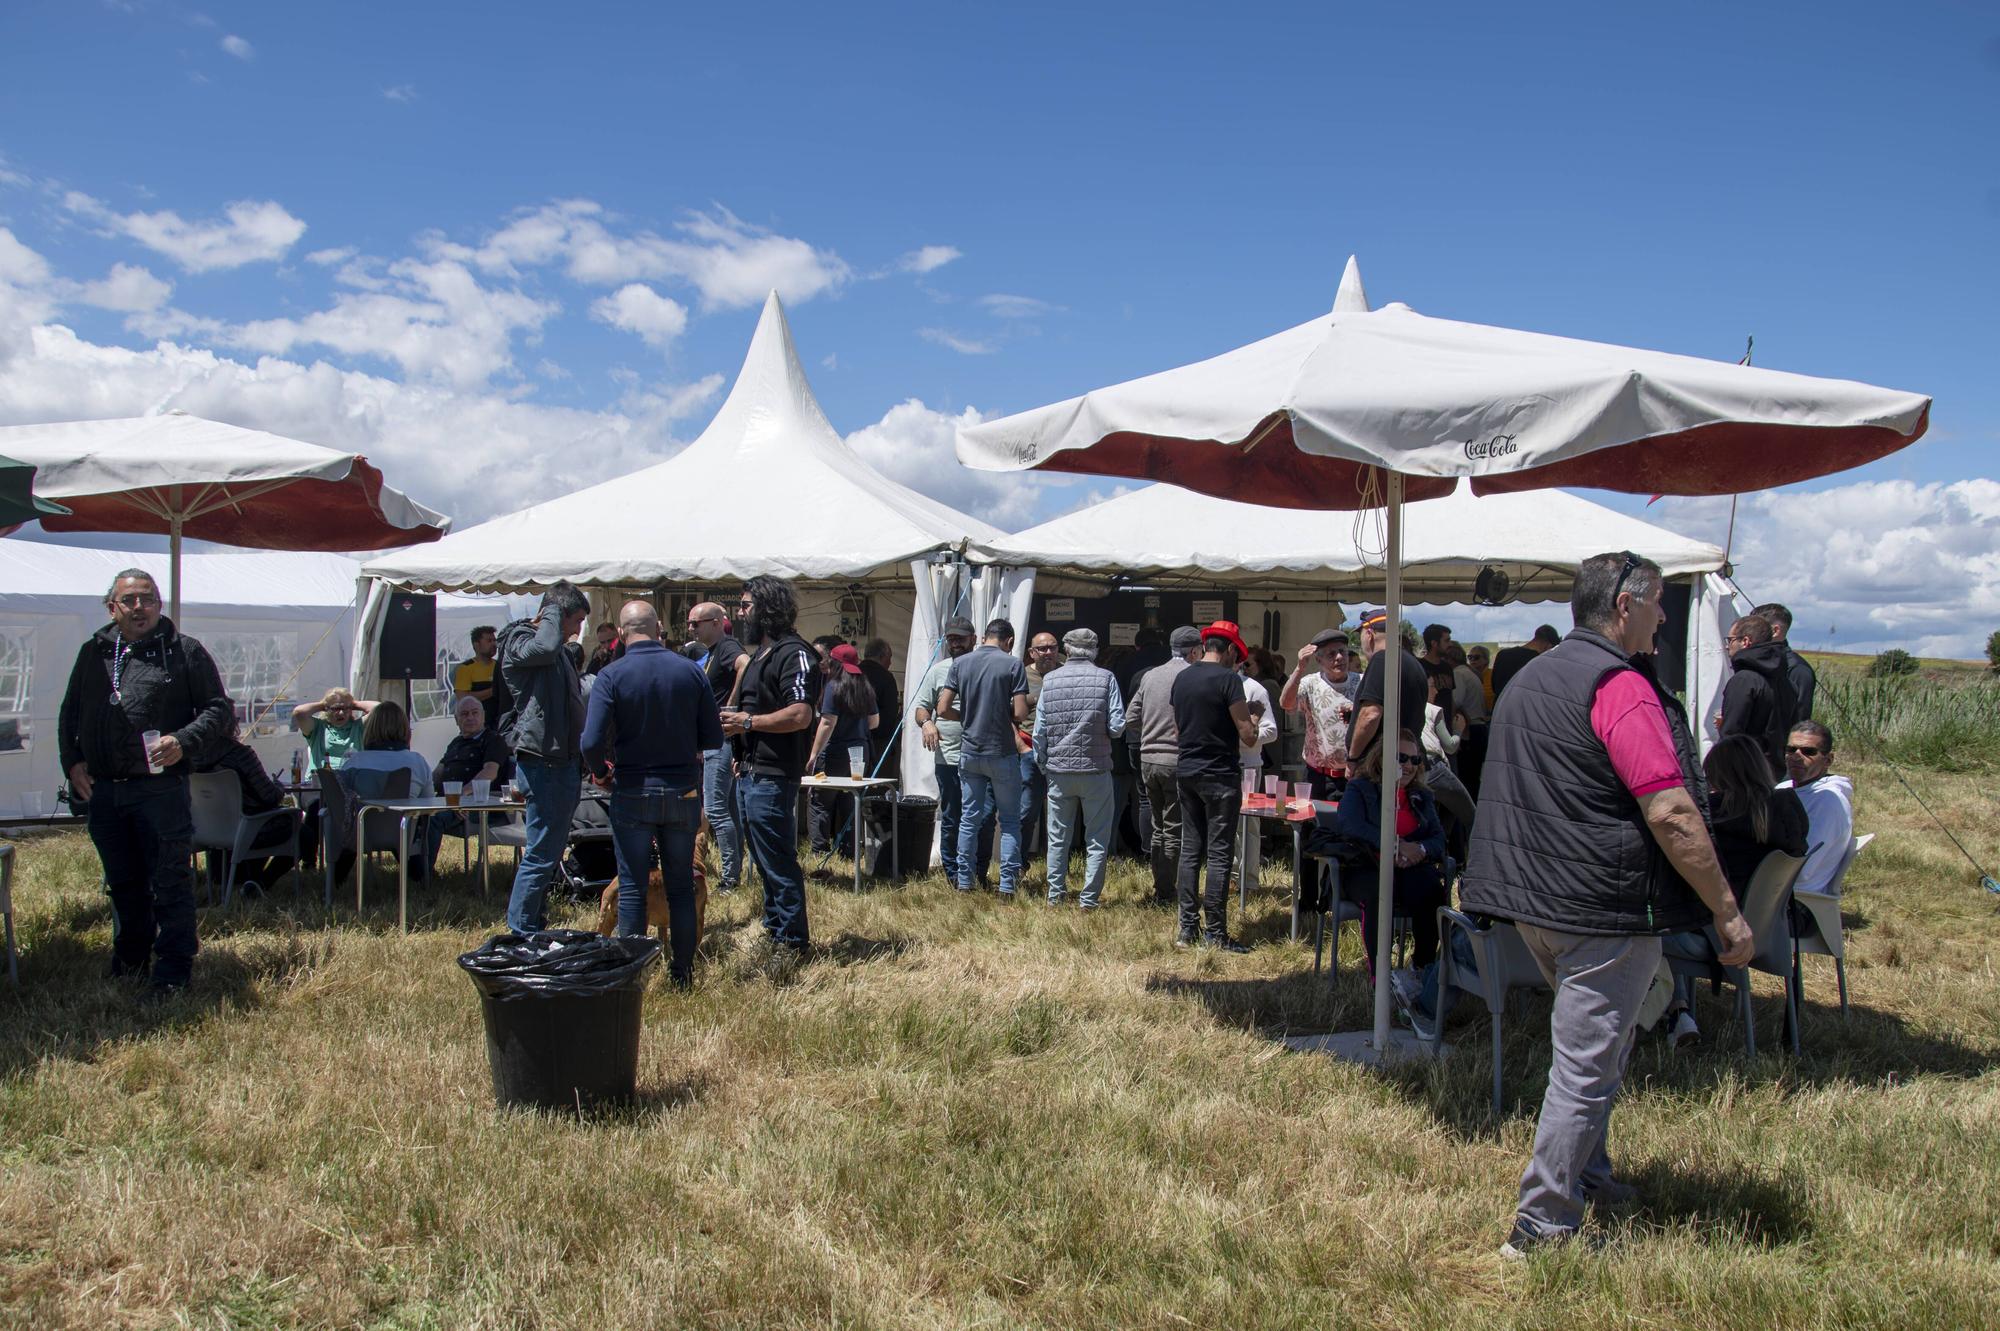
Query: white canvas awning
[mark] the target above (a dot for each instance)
(1163, 533)
(768, 489)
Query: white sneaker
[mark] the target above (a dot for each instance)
(1684, 1032)
(1405, 987)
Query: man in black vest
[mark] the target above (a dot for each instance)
(1590, 838)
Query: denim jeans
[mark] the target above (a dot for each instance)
(1091, 797)
(1163, 801)
(1034, 793)
(553, 790)
(951, 806)
(770, 809)
(142, 829)
(990, 785)
(718, 798)
(1209, 810)
(662, 817)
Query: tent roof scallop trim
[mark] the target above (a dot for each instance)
(769, 488)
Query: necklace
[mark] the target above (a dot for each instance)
(119, 652)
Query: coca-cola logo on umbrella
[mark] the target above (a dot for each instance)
(1499, 446)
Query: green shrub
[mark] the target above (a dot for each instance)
(1892, 663)
(1993, 651)
(1914, 722)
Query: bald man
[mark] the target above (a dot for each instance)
(723, 660)
(652, 715)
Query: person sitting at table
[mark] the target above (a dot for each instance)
(332, 729)
(1748, 819)
(260, 794)
(847, 713)
(1419, 849)
(385, 748)
(477, 753)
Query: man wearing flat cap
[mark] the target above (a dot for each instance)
(1079, 718)
(1156, 744)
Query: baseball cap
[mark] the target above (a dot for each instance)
(1185, 639)
(959, 627)
(1325, 636)
(1374, 619)
(1229, 633)
(846, 658)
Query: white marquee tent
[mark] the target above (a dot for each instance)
(280, 625)
(769, 488)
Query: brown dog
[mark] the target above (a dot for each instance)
(656, 897)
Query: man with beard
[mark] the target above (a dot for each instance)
(772, 725)
(138, 676)
(1758, 700)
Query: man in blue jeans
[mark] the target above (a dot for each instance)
(986, 692)
(546, 732)
(772, 726)
(652, 714)
(941, 737)
(723, 660)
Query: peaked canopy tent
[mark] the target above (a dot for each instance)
(184, 477)
(1164, 536)
(1361, 409)
(280, 626)
(769, 488)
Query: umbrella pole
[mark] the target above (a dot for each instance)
(1389, 743)
(174, 559)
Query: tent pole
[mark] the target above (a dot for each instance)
(1388, 742)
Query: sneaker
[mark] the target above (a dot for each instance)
(1420, 1026)
(1405, 987)
(1683, 1032)
(1057, 898)
(1224, 943)
(1006, 894)
(1524, 1241)
(1184, 939)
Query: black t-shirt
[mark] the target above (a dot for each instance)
(464, 756)
(721, 667)
(1510, 660)
(785, 672)
(1209, 744)
(1416, 690)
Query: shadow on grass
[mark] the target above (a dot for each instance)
(854, 950)
(1764, 1210)
(649, 1102)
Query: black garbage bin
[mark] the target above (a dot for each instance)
(916, 815)
(562, 1015)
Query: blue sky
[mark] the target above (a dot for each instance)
(394, 226)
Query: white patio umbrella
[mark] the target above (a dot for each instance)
(1362, 408)
(182, 476)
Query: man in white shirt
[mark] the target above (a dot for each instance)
(1829, 802)
(1326, 696)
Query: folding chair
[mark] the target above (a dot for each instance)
(1500, 964)
(1767, 903)
(221, 825)
(1816, 923)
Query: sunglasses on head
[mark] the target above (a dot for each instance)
(1631, 567)
(1803, 750)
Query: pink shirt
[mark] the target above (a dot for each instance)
(1627, 716)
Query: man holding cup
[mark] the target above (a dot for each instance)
(143, 701)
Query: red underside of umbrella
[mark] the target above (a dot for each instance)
(301, 515)
(1725, 458)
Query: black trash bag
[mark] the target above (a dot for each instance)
(559, 961)
(562, 1011)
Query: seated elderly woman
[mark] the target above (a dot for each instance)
(476, 753)
(1419, 848)
(385, 749)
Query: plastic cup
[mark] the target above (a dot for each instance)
(1274, 786)
(482, 791)
(452, 791)
(147, 741)
(1302, 791)
(1249, 782)
(857, 760)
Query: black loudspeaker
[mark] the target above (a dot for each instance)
(409, 637)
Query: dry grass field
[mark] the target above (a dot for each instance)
(967, 1113)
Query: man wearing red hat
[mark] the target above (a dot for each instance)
(1215, 724)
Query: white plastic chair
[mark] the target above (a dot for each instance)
(221, 825)
(1816, 923)
(1501, 963)
(1767, 910)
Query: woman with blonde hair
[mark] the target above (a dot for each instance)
(1419, 847)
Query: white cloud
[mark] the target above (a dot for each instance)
(329, 258)
(1003, 306)
(728, 262)
(238, 47)
(251, 231)
(963, 345)
(637, 308)
(915, 445)
(25, 299)
(1868, 565)
(401, 92)
(126, 288)
(831, 360)
(435, 320)
(929, 258)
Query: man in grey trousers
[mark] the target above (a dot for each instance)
(1150, 729)
(1591, 838)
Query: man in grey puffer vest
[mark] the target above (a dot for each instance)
(1080, 713)
(1589, 839)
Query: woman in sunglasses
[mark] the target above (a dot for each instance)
(1419, 869)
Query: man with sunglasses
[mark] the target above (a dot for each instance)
(1590, 837)
(1829, 801)
(139, 675)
